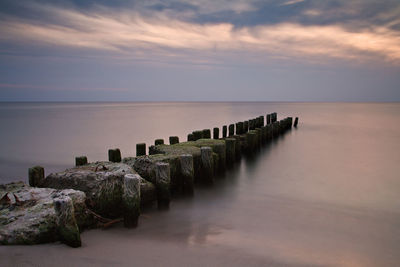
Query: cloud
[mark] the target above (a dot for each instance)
(130, 33)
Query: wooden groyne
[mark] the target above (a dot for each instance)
(119, 188)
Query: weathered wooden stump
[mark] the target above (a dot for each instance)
(36, 175)
(246, 126)
(163, 184)
(159, 142)
(231, 129)
(190, 137)
(216, 133)
(67, 226)
(114, 155)
(197, 135)
(140, 149)
(251, 140)
(131, 199)
(268, 119)
(296, 121)
(207, 133)
(224, 131)
(230, 150)
(173, 140)
(82, 160)
(187, 172)
(207, 164)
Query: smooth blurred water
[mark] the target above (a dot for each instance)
(325, 194)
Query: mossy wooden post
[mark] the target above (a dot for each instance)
(230, 150)
(216, 133)
(158, 142)
(114, 155)
(207, 164)
(190, 137)
(197, 135)
(173, 140)
(224, 131)
(261, 121)
(259, 137)
(187, 172)
(66, 222)
(296, 121)
(246, 126)
(36, 175)
(238, 147)
(82, 160)
(140, 149)
(207, 133)
(263, 134)
(251, 125)
(231, 129)
(251, 139)
(163, 184)
(220, 150)
(268, 119)
(131, 200)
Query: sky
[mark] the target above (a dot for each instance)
(204, 50)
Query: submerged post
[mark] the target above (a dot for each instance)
(114, 155)
(216, 133)
(187, 172)
(140, 149)
(131, 199)
(36, 175)
(163, 184)
(82, 160)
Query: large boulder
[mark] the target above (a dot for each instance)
(30, 215)
(103, 183)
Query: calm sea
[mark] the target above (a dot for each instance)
(325, 194)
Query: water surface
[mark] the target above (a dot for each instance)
(325, 194)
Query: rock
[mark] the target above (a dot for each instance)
(31, 215)
(101, 181)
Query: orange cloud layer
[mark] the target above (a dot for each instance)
(131, 33)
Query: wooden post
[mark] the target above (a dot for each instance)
(230, 150)
(187, 172)
(224, 130)
(159, 142)
(197, 135)
(190, 137)
(140, 149)
(66, 222)
(82, 160)
(114, 155)
(231, 129)
(207, 133)
(296, 121)
(207, 164)
(131, 199)
(36, 176)
(163, 184)
(216, 133)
